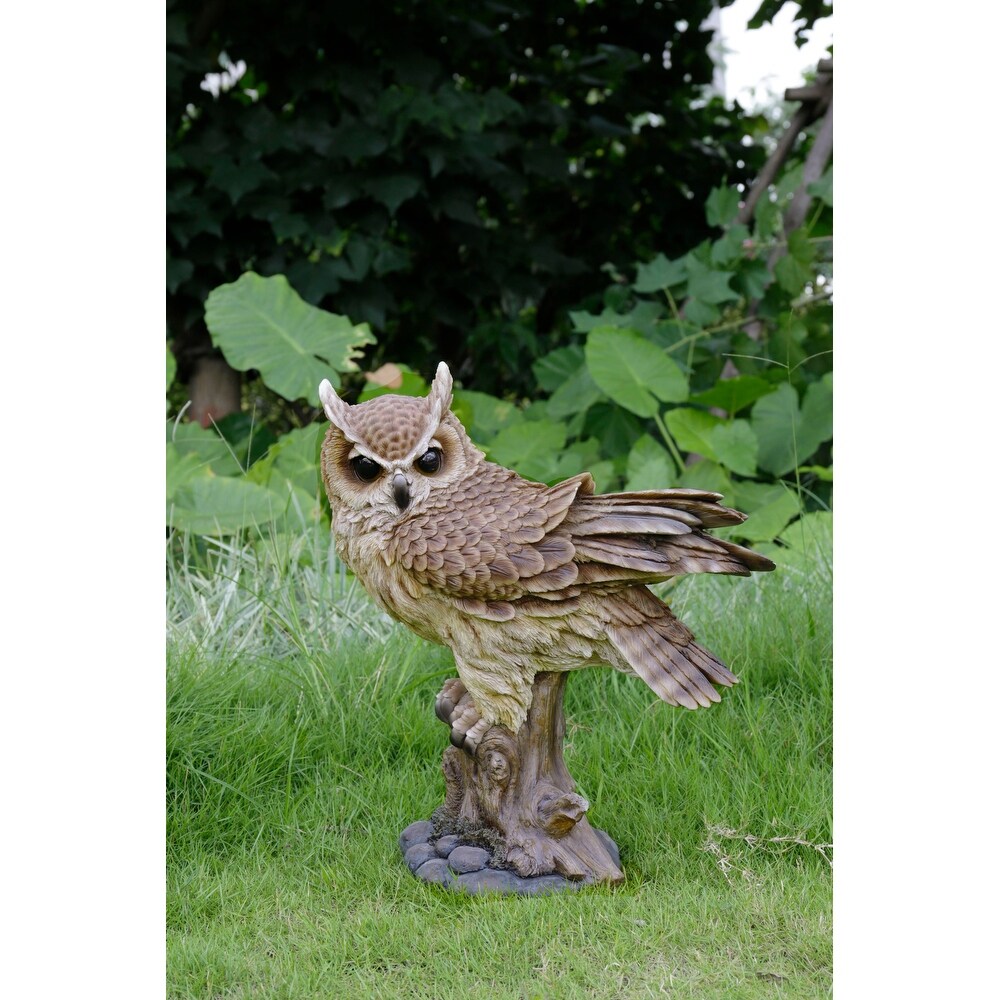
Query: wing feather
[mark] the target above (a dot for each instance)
(500, 538)
(662, 651)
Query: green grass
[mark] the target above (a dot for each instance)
(301, 739)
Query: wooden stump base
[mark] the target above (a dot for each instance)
(514, 797)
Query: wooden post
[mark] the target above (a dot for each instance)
(516, 791)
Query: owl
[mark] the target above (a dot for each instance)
(516, 577)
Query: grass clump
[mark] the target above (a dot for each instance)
(301, 739)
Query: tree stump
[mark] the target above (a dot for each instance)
(513, 795)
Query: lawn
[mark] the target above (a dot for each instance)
(301, 739)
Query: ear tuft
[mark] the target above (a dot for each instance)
(336, 409)
(439, 397)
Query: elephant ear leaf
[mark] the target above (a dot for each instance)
(632, 371)
(789, 434)
(262, 323)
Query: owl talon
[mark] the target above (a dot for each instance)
(473, 735)
(455, 708)
(467, 727)
(449, 696)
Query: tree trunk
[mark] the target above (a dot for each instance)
(516, 794)
(214, 389)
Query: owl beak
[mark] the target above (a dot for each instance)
(400, 491)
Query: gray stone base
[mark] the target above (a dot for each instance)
(464, 867)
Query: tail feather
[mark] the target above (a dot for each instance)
(668, 659)
(660, 558)
(682, 663)
(698, 508)
(654, 669)
(713, 668)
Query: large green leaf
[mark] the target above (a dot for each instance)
(577, 394)
(733, 394)
(236, 179)
(708, 285)
(645, 318)
(487, 414)
(753, 277)
(393, 190)
(605, 477)
(296, 508)
(632, 371)
(817, 413)
(555, 367)
(706, 475)
(749, 496)
(722, 205)
(580, 456)
(613, 426)
(792, 274)
(701, 314)
(658, 274)
(787, 434)
(767, 521)
(183, 468)
(295, 459)
(775, 419)
(262, 323)
(650, 466)
(692, 430)
(728, 248)
(178, 271)
(531, 447)
(735, 445)
(222, 505)
(801, 247)
(810, 530)
(583, 457)
(209, 447)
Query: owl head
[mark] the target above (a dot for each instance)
(394, 453)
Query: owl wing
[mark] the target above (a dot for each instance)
(496, 540)
(502, 538)
(649, 536)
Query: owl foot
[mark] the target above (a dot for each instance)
(454, 707)
(448, 697)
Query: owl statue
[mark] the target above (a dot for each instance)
(517, 577)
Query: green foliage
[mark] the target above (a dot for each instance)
(643, 379)
(657, 349)
(171, 367)
(734, 394)
(262, 323)
(218, 487)
(451, 173)
(787, 431)
(649, 465)
(632, 371)
(532, 447)
(240, 474)
(641, 397)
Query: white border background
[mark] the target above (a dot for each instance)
(916, 377)
(83, 322)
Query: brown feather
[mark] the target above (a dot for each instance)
(678, 673)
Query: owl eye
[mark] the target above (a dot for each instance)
(429, 461)
(365, 468)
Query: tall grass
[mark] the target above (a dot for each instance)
(301, 740)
